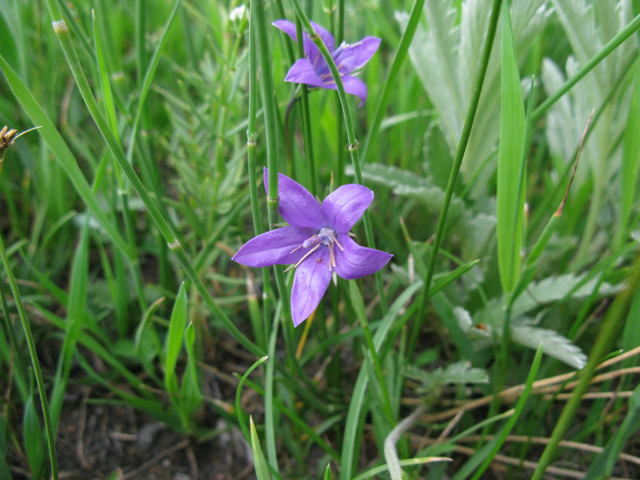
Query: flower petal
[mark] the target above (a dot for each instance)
(303, 72)
(326, 36)
(311, 51)
(344, 207)
(274, 248)
(297, 206)
(355, 86)
(356, 261)
(352, 85)
(352, 57)
(310, 282)
(290, 29)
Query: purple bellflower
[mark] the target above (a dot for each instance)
(317, 242)
(313, 70)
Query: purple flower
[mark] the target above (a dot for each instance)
(317, 242)
(313, 70)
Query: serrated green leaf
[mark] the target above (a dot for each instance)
(388, 175)
(459, 372)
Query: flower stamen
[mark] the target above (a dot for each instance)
(336, 240)
(303, 258)
(332, 258)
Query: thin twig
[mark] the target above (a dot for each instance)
(543, 441)
(156, 459)
(517, 462)
(515, 391)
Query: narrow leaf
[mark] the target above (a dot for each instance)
(512, 126)
(174, 340)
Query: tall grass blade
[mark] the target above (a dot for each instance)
(35, 363)
(62, 153)
(512, 126)
(76, 309)
(630, 160)
(608, 332)
(603, 465)
(174, 340)
(260, 463)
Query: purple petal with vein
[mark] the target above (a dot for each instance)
(344, 207)
(297, 206)
(274, 248)
(311, 280)
(352, 85)
(354, 56)
(357, 87)
(290, 29)
(357, 261)
(303, 72)
(327, 38)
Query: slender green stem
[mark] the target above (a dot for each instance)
(339, 36)
(306, 118)
(462, 146)
(258, 21)
(392, 76)
(269, 411)
(353, 143)
(34, 359)
(356, 298)
(608, 332)
(252, 132)
(614, 43)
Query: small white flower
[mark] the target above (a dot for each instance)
(237, 13)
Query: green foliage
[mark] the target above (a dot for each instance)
(120, 216)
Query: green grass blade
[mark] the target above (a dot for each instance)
(512, 126)
(105, 83)
(161, 223)
(35, 363)
(608, 331)
(358, 305)
(191, 395)
(499, 440)
(350, 440)
(630, 160)
(5, 472)
(614, 43)
(260, 463)
(149, 74)
(62, 153)
(75, 318)
(239, 412)
(174, 340)
(32, 432)
(390, 82)
(462, 147)
(603, 465)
